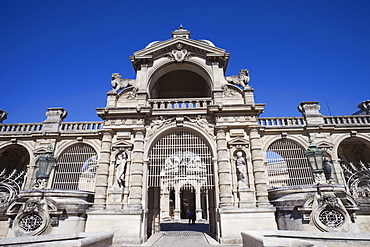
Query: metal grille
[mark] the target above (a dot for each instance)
(181, 157)
(287, 165)
(30, 222)
(76, 169)
(331, 218)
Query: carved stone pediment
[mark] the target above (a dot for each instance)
(39, 151)
(325, 145)
(122, 145)
(189, 47)
(238, 142)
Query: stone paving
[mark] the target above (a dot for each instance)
(176, 234)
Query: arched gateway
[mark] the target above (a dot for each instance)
(180, 178)
(182, 137)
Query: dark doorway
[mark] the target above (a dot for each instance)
(187, 202)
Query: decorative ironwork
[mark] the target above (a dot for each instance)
(358, 181)
(331, 218)
(181, 156)
(31, 222)
(10, 186)
(287, 164)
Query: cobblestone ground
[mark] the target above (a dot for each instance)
(176, 234)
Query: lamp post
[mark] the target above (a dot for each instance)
(45, 163)
(315, 159)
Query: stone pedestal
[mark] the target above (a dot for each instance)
(128, 225)
(114, 200)
(246, 197)
(235, 220)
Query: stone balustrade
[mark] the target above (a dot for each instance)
(348, 120)
(282, 121)
(81, 126)
(20, 128)
(351, 120)
(163, 104)
(30, 128)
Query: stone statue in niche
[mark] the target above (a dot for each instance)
(241, 166)
(120, 165)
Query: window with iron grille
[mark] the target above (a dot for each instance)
(181, 156)
(76, 168)
(287, 164)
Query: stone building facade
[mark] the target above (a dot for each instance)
(181, 137)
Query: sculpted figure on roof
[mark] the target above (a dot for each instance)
(118, 83)
(241, 79)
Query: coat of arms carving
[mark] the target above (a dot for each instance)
(179, 55)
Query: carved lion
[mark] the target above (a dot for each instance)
(118, 83)
(241, 80)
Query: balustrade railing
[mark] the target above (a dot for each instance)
(20, 127)
(165, 104)
(37, 127)
(348, 120)
(282, 121)
(80, 126)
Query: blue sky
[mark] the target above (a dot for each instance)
(62, 53)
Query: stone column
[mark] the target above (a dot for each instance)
(136, 178)
(259, 169)
(198, 203)
(177, 203)
(102, 173)
(165, 203)
(224, 169)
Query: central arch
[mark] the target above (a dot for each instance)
(180, 178)
(179, 80)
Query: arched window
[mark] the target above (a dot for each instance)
(76, 168)
(181, 156)
(287, 164)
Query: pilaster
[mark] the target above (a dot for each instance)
(136, 178)
(102, 173)
(224, 169)
(259, 170)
